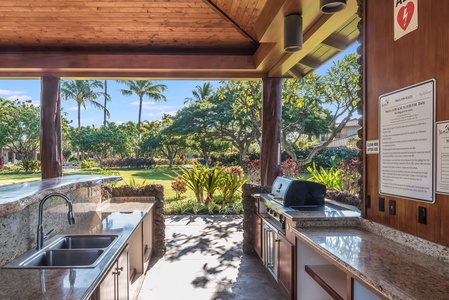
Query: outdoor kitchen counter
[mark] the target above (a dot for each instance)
(394, 264)
(63, 284)
(15, 197)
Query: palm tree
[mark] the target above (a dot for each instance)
(143, 88)
(107, 98)
(200, 93)
(82, 91)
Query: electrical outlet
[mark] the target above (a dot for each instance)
(368, 201)
(381, 204)
(392, 207)
(422, 215)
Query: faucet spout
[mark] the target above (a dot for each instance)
(40, 226)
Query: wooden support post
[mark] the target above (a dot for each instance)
(271, 129)
(50, 133)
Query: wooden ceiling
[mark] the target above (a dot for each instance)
(209, 39)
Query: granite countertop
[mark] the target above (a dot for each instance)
(72, 284)
(15, 197)
(395, 270)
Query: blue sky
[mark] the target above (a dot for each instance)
(122, 109)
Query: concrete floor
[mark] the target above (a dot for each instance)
(204, 260)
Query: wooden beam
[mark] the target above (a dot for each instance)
(271, 129)
(334, 43)
(267, 17)
(143, 74)
(50, 132)
(310, 62)
(64, 60)
(223, 15)
(314, 34)
(295, 73)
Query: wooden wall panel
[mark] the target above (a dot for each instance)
(390, 65)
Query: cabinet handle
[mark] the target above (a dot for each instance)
(119, 269)
(277, 241)
(116, 273)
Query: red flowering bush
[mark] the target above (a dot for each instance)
(179, 186)
(350, 175)
(252, 169)
(291, 167)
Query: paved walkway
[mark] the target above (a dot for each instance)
(204, 260)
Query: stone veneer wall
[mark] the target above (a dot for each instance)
(153, 193)
(18, 230)
(248, 214)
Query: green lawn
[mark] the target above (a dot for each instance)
(159, 175)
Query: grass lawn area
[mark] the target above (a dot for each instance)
(158, 175)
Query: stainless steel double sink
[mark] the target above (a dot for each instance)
(66, 252)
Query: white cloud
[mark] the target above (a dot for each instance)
(171, 113)
(8, 92)
(73, 108)
(145, 104)
(168, 107)
(20, 98)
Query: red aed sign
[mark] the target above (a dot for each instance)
(405, 17)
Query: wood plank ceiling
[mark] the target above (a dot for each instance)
(165, 38)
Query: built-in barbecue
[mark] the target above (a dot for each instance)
(291, 194)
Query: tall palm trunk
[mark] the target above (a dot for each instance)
(105, 101)
(104, 119)
(79, 126)
(138, 125)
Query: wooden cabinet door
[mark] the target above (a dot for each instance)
(107, 289)
(257, 234)
(114, 285)
(147, 237)
(285, 265)
(122, 275)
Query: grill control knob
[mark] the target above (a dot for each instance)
(275, 214)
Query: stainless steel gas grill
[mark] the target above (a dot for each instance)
(289, 194)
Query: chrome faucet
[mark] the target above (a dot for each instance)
(40, 226)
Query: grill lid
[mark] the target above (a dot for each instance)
(295, 192)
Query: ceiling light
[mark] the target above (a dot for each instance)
(332, 6)
(292, 33)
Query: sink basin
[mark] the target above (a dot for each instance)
(63, 258)
(66, 252)
(83, 242)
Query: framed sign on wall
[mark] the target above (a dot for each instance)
(406, 143)
(442, 157)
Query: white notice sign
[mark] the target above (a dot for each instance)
(372, 147)
(407, 141)
(442, 157)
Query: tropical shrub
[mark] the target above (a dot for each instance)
(87, 164)
(232, 180)
(30, 165)
(350, 175)
(330, 178)
(328, 157)
(134, 184)
(206, 181)
(212, 178)
(194, 180)
(291, 168)
(252, 169)
(179, 186)
(111, 163)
